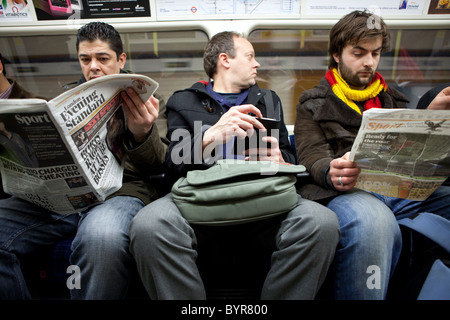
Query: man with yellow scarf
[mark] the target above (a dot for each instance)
(327, 121)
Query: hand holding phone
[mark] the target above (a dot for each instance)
(269, 124)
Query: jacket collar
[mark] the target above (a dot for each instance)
(327, 106)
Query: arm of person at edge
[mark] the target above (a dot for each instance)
(238, 123)
(348, 170)
(441, 101)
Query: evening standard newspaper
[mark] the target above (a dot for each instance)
(67, 154)
(403, 153)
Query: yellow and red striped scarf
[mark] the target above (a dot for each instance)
(349, 95)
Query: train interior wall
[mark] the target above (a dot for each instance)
(292, 60)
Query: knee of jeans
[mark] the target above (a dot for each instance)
(377, 227)
(105, 240)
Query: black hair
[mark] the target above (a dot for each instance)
(101, 31)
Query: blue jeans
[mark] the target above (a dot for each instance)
(371, 242)
(24, 229)
(101, 249)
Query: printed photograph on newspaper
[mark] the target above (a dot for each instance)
(403, 153)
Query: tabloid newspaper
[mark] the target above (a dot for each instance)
(66, 154)
(403, 153)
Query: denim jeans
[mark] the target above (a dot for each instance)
(370, 243)
(101, 249)
(24, 229)
(164, 245)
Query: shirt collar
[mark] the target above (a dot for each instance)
(6, 93)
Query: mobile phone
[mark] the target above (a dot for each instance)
(269, 124)
(256, 140)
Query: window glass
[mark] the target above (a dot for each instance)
(293, 61)
(48, 65)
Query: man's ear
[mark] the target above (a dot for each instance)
(336, 57)
(122, 60)
(224, 60)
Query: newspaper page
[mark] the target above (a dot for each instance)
(403, 153)
(66, 154)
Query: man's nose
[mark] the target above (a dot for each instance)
(369, 61)
(94, 64)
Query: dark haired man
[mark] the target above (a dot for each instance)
(100, 248)
(327, 121)
(164, 244)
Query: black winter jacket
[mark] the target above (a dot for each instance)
(195, 110)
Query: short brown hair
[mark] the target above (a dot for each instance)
(353, 28)
(222, 42)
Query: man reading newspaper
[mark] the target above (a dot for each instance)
(100, 249)
(327, 122)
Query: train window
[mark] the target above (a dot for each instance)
(48, 65)
(293, 61)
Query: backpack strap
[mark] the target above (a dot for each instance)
(432, 226)
(272, 112)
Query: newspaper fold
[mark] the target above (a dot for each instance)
(403, 153)
(66, 154)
